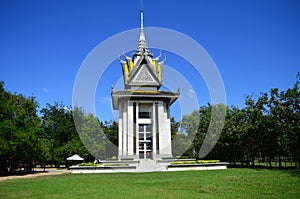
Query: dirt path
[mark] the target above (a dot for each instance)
(37, 173)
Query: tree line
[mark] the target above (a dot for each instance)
(48, 136)
(268, 126)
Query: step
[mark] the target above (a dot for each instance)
(150, 166)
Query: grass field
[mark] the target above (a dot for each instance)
(230, 183)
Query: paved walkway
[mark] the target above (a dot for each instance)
(38, 173)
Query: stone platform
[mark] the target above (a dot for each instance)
(146, 165)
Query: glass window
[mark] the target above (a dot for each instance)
(148, 128)
(141, 127)
(141, 136)
(144, 115)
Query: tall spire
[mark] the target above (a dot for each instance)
(142, 19)
(142, 33)
(142, 43)
(142, 15)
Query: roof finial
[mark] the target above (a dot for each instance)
(142, 43)
(142, 16)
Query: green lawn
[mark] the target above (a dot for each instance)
(230, 183)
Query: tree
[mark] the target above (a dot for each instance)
(111, 132)
(275, 142)
(181, 145)
(59, 129)
(19, 126)
(290, 118)
(174, 127)
(230, 146)
(190, 127)
(93, 137)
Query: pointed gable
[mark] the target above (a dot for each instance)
(143, 74)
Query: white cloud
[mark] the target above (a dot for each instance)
(45, 90)
(105, 100)
(191, 93)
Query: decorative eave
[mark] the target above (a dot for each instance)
(118, 96)
(142, 70)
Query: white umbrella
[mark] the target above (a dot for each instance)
(75, 157)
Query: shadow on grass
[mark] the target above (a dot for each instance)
(290, 170)
(295, 172)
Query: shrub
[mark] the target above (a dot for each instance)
(168, 158)
(196, 162)
(89, 164)
(184, 162)
(208, 161)
(184, 157)
(126, 158)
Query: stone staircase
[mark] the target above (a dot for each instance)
(148, 165)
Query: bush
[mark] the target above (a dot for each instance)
(208, 161)
(89, 164)
(126, 158)
(168, 158)
(196, 162)
(184, 162)
(112, 158)
(184, 157)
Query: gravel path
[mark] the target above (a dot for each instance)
(37, 173)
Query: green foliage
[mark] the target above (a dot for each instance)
(93, 137)
(180, 144)
(268, 126)
(19, 127)
(196, 162)
(207, 161)
(174, 127)
(126, 158)
(89, 164)
(112, 158)
(111, 131)
(191, 127)
(59, 138)
(204, 124)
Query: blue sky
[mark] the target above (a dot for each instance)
(255, 44)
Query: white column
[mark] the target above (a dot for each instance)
(154, 131)
(130, 128)
(137, 131)
(120, 147)
(124, 130)
(165, 149)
